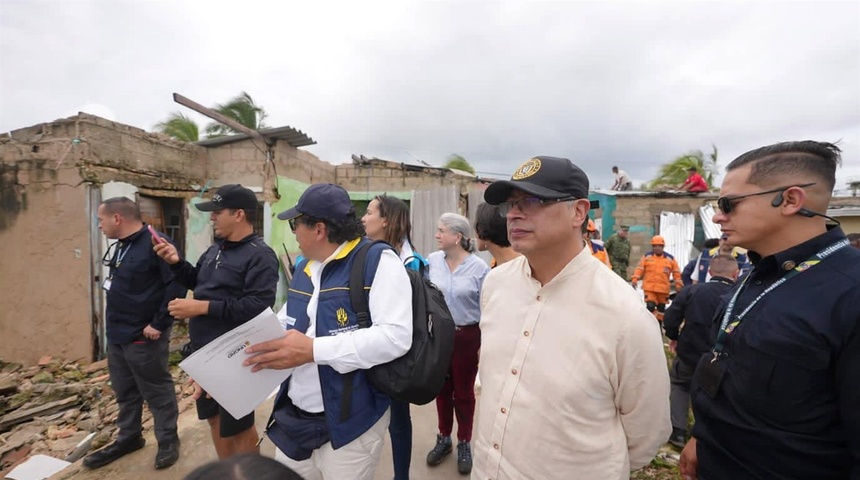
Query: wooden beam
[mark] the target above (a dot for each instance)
(21, 416)
(220, 118)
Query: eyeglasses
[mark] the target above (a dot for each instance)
(292, 223)
(727, 204)
(528, 205)
(114, 254)
(107, 259)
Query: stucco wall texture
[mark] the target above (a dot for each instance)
(44, 275)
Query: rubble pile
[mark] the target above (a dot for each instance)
(52, 407)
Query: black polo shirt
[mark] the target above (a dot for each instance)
(141, 285)
(788, 405)
(239, 279)
(695, 307)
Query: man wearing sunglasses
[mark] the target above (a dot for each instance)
(573, 375)
(778, 395)
(233, 282)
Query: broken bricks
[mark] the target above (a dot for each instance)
(50, 409)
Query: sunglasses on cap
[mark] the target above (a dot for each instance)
(727, 204)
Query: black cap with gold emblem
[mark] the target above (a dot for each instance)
(548, 178)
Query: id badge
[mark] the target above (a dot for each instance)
(709, 375)
(106, 285)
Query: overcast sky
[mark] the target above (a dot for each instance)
(602, 83)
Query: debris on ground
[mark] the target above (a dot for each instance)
(52, 407)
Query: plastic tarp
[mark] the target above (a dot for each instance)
(678, 229)
(706, 214)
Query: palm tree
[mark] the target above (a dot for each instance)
(179, 127)
(241, 109)
(457, 162)
(675, 172)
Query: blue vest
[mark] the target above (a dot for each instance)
(597, 246)
(335, 316)
(701, 275)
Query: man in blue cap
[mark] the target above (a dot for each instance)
(328, 421)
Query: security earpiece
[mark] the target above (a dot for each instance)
(777, 200)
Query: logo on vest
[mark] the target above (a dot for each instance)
(527, 169)
(342, 318)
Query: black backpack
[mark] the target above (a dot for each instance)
(417, 376)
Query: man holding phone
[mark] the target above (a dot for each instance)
(233, 281)
(138, 289)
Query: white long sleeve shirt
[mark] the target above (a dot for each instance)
(573, 376)
(388, 337)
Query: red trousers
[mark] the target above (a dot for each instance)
(458, 392)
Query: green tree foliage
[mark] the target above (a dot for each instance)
(179, 127)
(457, 162)
(674, 173)
(241, 109)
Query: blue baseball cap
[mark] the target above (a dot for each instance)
(325, 201)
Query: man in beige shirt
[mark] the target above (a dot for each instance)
(574, 378)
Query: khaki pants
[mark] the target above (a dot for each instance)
(357, 460)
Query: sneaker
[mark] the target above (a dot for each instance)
(114, 451)
(678, 437)
(167, 454)
(464, 458)
(443, 447)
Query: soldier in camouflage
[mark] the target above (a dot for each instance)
(618, 247)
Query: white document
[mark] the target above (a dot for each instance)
(37, 467)
(217, 367)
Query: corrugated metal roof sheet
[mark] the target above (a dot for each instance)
(296, 138)
(655, 193)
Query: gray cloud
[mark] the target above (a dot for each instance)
(603, 83)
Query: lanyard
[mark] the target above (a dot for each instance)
(120, 254)
(727, 328)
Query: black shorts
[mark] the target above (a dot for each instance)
(208, 408)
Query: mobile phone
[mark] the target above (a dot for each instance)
(155, 234)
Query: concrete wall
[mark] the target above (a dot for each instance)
(51, 176)
(244, 163)
(110, 151)
(45, 265)
(376, 177)
(850, 224)
(642, 215)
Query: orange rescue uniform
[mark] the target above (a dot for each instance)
(655, 272)
(598, 251)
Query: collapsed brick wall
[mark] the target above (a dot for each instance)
(47, 223)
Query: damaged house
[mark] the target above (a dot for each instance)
(54, 175)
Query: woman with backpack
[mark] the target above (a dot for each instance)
(387, 219)
(460, 274)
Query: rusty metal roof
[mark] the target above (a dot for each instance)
(296, 138)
